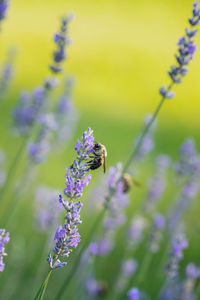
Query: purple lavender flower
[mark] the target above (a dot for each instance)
(136, 231)
(116, 206)
(95, 288)
(2, 172)
(187, 287)
(157, 183)
(133, 294)
(65, 114)
(39, 149)
(47, 208)
(4, 239)
(67, 236)
(128, 269)
(156, 234)
(192, 271)
(147, 144)
(179, 243)
(186, 50)
(23, 114)
(3, 8)
(189, 161)
(187, 171)
(61, 40)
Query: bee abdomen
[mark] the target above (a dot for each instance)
(95, 163)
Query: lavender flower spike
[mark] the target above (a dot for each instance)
(4, 239)
(185, 53)
(67, 236)
(179, 243)
(61, 40)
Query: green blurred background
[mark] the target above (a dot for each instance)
(120, 55)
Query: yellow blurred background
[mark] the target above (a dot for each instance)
(120, 54)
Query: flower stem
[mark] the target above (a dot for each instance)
(13, 167)
(41, 292)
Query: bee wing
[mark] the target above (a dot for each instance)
(104, 161)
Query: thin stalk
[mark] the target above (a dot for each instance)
(101, 215)
(13, 167)
(144, 267)
(41, 292)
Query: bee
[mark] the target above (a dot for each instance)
(128, 181)
(99, 157)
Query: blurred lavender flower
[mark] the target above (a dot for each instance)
(95, 288)
(65, 114)
(188, 171)
(2, 172)
(133, 294)
(7, 72)
(116, 206)
(187, 287)
(157, 183)
(39, 149)
(128, 269)
(3, 9)
(189, 160)
(171, 291)
(47, 208)
(136, 231)
(67, 236)
(4, 239)
(156, 234)
(27, 111)
(186, 50)
(61, 40)
(147, 144)
(179, 243)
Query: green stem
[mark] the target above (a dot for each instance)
(13, 167)
(41, 292)
(101, 215)
(144, 268)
